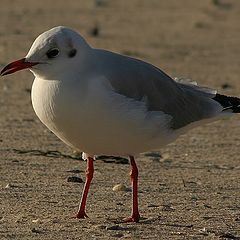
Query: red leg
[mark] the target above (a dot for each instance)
(134, 180)
(89, 176)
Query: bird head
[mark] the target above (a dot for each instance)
(52, 53)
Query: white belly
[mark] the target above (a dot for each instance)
(96, 122)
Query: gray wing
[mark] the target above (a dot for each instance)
(183, 101)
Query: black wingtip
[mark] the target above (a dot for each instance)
(228, 103)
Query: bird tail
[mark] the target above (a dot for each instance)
(231, 104)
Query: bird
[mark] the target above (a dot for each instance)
(104, 103)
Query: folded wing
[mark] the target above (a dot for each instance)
(184, 101)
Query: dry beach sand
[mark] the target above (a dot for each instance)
(190, 190)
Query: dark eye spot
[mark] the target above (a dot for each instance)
(72, 53)
(52, 53)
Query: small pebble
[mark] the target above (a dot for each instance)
(74, 179)
(168, 208)
(55, 221)
(165, 156)
(9, 185)
(153, 205)
(203, 230)
(120, 187)
(119, 204)
(34, 230)
(207, 206)
(194, 198)
(35, 220)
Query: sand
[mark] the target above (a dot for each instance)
(190, 190)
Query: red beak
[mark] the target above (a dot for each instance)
(17, 66)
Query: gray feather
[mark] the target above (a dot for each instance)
(185, 102)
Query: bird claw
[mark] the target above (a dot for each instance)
(133, 218)
(81, 215)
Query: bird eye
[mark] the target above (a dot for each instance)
(52, 53)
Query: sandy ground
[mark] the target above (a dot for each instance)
(190, 192)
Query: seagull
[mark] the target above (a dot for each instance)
(104, 103)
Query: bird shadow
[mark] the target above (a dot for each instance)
(143, 220)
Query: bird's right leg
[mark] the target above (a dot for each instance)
(134, 179)
(89, 176)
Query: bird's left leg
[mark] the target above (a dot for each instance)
(134, 180)
(89, 176)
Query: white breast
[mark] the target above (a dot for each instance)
(93, 119)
